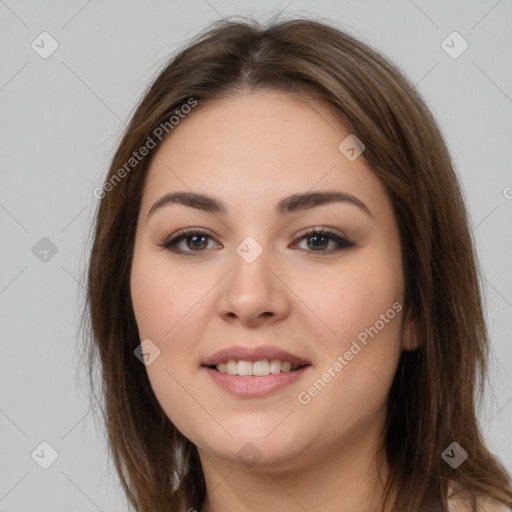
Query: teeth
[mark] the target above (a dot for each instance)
(275, 366)
(231, 367)
(244, 368)
(260, 368)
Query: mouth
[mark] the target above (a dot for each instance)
(254, 372)
(261, 368)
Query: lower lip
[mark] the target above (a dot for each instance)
(252, 386)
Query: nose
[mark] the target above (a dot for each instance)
(254, 292)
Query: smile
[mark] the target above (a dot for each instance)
(250, 385)
(260, 368)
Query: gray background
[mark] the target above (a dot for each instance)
(60, 120)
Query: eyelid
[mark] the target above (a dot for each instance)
(318, 230)
(182, 234)
(343, 241)
(185, 231)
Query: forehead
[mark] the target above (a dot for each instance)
(254, 147)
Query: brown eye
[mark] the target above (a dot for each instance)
(320, 241)
(195, 241)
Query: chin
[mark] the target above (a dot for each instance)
(258, 447)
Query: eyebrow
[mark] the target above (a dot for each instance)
(290, 204)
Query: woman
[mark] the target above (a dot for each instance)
(283, 288)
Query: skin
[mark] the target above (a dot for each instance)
(250, 151)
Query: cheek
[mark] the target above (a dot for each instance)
(161, 295)
(353, 296)
(169, 305)
(361, 306)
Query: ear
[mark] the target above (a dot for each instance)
(410, 333)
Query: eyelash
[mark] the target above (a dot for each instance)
(170, 243)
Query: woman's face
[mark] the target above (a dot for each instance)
(256, 285)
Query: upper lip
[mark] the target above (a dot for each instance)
(254, 354)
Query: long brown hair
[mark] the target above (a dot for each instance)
(433, 396)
